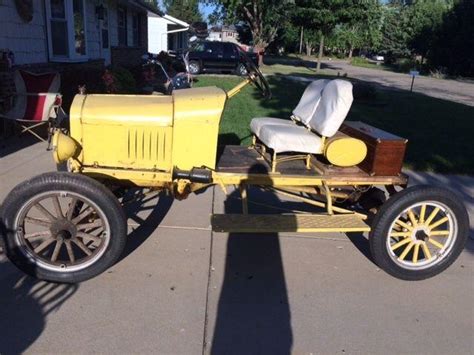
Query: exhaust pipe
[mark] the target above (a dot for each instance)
(200, 175)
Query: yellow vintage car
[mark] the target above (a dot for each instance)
(70, 226)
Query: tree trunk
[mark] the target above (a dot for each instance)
(351, 49)
(301, 40)
(260, 57)
(309, 48)
(321, 52)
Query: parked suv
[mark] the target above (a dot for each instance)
(207, 56)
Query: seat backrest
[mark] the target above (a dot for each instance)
(31, 83)
(309, 101)
(335, 103)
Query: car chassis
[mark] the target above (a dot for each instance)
(69, 226)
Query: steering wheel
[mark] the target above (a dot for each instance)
(255, 75)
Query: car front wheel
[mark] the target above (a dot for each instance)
(63, 227)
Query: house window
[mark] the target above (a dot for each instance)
(136, 29)
(66, 29)
(122, 26)
(58, 24)
(79, 28)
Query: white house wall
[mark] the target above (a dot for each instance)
(26, 40)
(157, 38)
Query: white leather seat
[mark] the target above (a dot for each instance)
(302, 112)
(258, 123)
(326, 118)
(290, 138)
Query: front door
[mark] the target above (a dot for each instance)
(212, 56)
(230, 59)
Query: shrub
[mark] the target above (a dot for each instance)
(118, 80)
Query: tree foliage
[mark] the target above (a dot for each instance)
(453, 47)
(184, 10)
(264, 17)
(423, 19)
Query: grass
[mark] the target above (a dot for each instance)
(439, 131)
(364, 63)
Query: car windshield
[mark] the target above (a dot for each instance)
(198, 47)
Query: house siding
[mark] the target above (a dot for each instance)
(93, 32)
(157, 38)
(26, 40)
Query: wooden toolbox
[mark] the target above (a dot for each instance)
(385, 151)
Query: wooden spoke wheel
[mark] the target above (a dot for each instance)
(63, 227)
(419, 232)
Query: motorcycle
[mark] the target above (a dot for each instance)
(165, 73)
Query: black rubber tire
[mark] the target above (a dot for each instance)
(199, 68)
(398, 203)
(79, 184)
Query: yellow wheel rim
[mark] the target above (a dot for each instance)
(422, 235)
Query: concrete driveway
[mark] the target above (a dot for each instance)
(181, 289)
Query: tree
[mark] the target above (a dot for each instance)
(264, 17)
(425, 18)
(361, 28)
(395, 31)
(184, 10)
(453, 47)
(321, 17)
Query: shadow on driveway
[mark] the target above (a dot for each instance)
(253, 314)
(25, 304)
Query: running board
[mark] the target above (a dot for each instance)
(301, 223)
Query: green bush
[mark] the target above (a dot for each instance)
(404, 65)
(118, 80)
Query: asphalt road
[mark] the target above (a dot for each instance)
(181, 289)
(451, 90)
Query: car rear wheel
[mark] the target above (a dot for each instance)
(419, 232)
(194, 67)
(63, 227)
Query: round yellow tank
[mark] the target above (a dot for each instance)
(345, 151)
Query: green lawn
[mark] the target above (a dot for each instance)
(439, 131)
(364, 63)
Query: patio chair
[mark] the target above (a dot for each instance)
(36, 103)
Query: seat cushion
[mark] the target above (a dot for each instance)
(309, 101)
(335, 103)
(258, 122)
(290, 138)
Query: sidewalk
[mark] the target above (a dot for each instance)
(181, 289)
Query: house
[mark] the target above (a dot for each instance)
(166, 33)
(77, 38)
(224, 34)
(74, 31)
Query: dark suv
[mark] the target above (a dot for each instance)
(207, 56)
